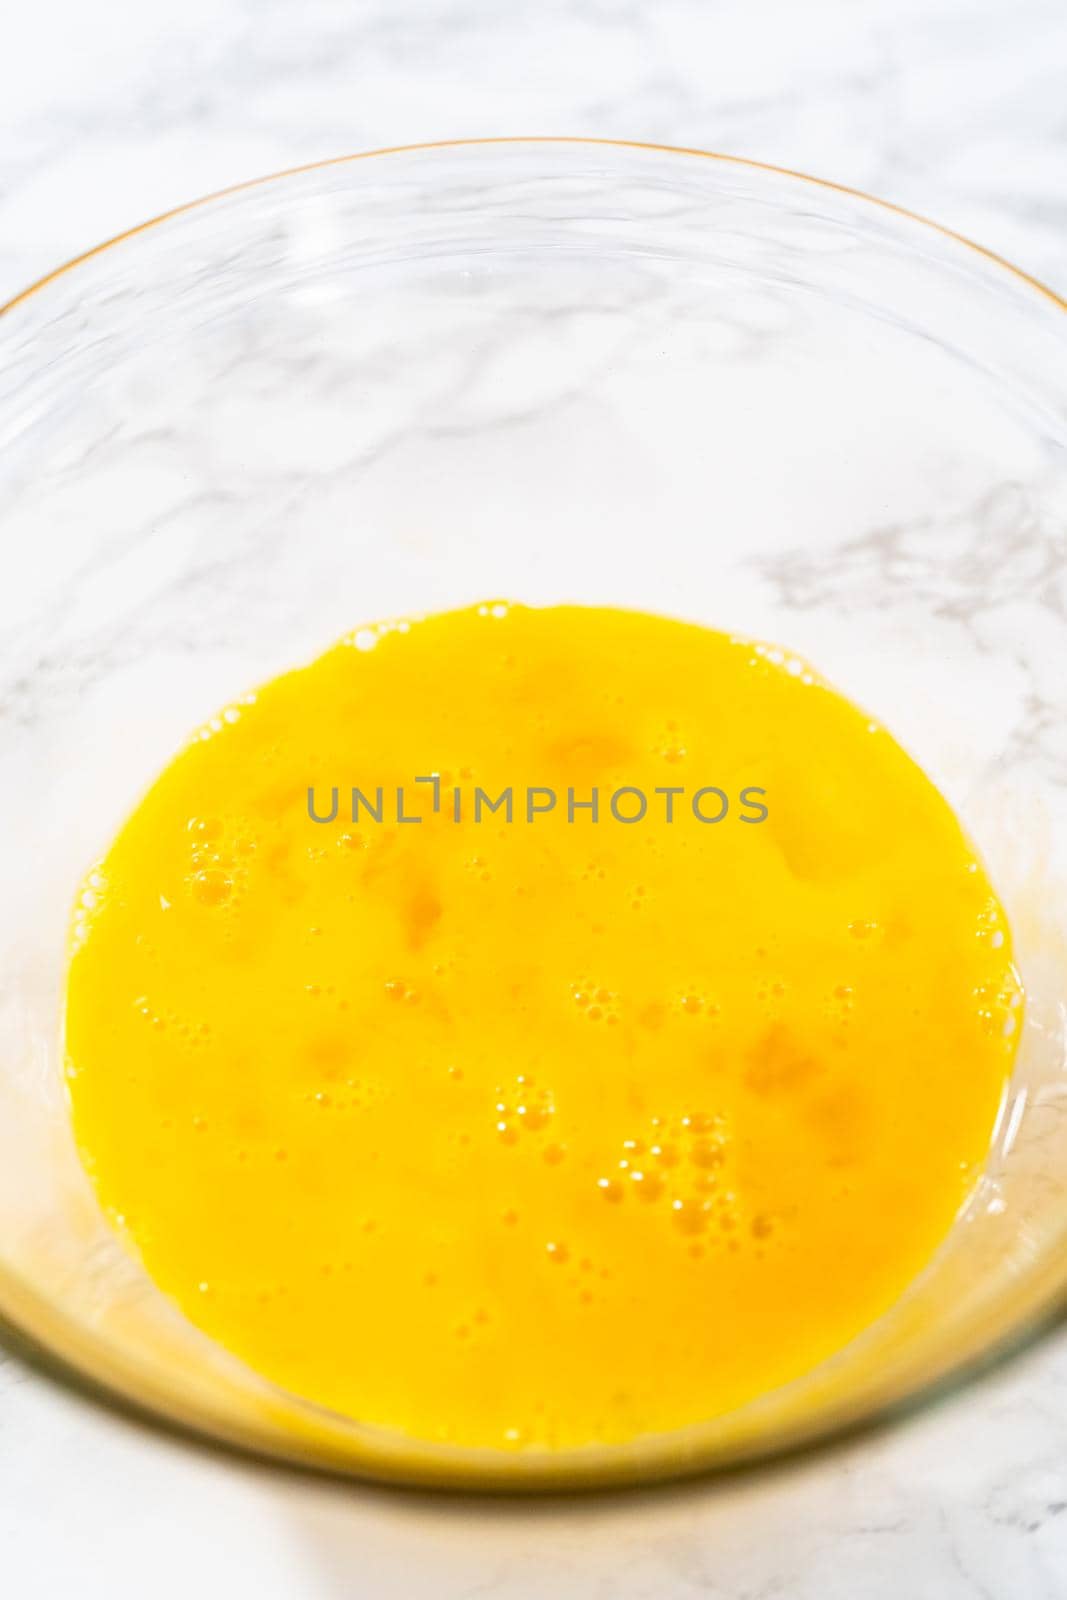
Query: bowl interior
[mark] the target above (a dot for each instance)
(544, 371)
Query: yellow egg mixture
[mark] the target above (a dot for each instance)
(551, 1129)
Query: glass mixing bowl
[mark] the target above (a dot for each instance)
(550, 371)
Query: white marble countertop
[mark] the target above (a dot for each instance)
(113, 112)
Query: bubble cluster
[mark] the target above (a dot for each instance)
(367, 638)
(695, 1002)
(400, 991)
(997, 1005)
(217, 869)
(89, 901)
(527, 1107)
(226, 717)
(143, 1008)
(596, 1001)
(679, 1165)
(784, 661)
(334, 1086)
(990, 924)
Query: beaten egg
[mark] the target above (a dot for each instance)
(538, 1027)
